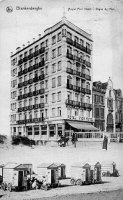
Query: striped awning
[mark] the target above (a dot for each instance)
(82, 126)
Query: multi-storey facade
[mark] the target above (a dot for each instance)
(98, 99)
(107, 107)
(51, 83)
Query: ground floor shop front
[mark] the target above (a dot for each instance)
(52, 130)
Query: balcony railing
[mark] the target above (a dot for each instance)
(41, 77)
(42, 63)
(69, 41)
(30, 56)
(78, 104)
(25, 71)
(20, 97)
(41, 91)
(36, 53)
(69, 55)
(25, 59)
(31, 120)
(42, 50)
(20, 73)
(30, 68)
(41, 105)
(30, 81)
(20, 61)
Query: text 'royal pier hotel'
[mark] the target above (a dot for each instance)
(51, 83)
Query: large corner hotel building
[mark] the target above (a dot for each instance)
(51, 83)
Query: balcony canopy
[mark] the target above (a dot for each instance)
(82, 125)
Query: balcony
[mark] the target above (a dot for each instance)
(20, 73)
(36, 53)
(35, 66)
(36, 106)
(36, 120)
(88, 91)
(69, 41)
(25, 96)
(30, 107)
(41, 91)
(20, 97)
(41, 105)
(30, 68)
(20, 85)
(25, 59)
(35, 79)
(69, 55)
(25, 71)
(69, 102)
(20, 121)
(88, 105)
(20, 61)
(30, 81)
(88, 77)
(25, 108)
(30, 56)
(41, 77)
(69, 70)
(76, 103)
(76, 88)
(20, 109)
(30, 94)
(42, 63)
(88, 64)
(70, 86)
(25, 83)
(42, 50)
(36, 92)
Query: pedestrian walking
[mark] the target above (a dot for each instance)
(105, 142)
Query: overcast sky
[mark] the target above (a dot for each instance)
(21, 26)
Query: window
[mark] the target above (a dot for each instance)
(20, 104)
(76, 112)
(30, 76)
(59, 80)
(36, 100)
(81, 42)
(46, 98)
(87, 113)
(53, 67)
(76, 39)
(59, 96)
(87, 85)
(96, 112)
(42, 99)
(69, 35)
(46, 84)
(25, 78)
(46, 113)
(25, 102)
(30, 101)
(42, 44)
(25, 65)
(20, 116)
(59, 111)
(87, 99)
(88, 72)
(54, 39)
(46, 56)
(69, 50)
(53, 82)
(53, 112)
(30, 51)
(36, 87)
(36, 60)
(59, 36)
(42, 85)
(47, 43)
(25, 90)
(20, 80)
(53, 97)
(87, 45)
(69, 65)
(30, 88)
(59, 51)
(46, 70)
(30, 115)
(20, 92)
(59, 65)
(36, 48)
(35, 114)
(76, 96)
(102, 113)
(53, 53)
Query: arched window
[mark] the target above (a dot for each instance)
(87, 85)
(69, 80)
(69, 64)
(30, 115)
(87, 71)
(110, 119)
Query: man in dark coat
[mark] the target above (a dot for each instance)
(105, 142)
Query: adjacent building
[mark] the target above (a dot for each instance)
(51, 83)
(107, 107)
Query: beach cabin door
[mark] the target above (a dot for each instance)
(20, 178)
(52, 176)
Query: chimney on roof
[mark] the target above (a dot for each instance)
(11, 53)
(28, 43)
(33, 39)
(23, 45)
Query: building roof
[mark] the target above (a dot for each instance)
(81, 165)
(47, 165)
(11, 165)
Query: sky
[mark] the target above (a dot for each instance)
(102, 18)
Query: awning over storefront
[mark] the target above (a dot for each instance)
(82, 125)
